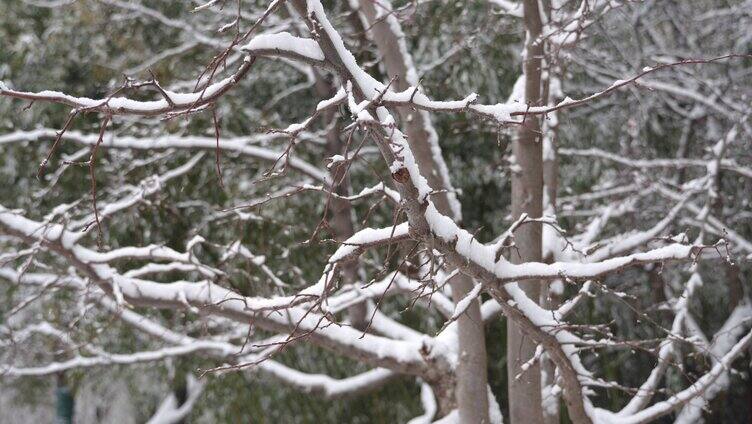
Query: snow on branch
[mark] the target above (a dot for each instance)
(394, 116)
(172, 101)
(284, 44)
(402, 356)
(169, 412)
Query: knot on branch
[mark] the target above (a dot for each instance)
(401, 175)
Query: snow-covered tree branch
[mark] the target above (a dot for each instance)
(522, 210)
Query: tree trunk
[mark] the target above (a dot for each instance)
(552, 292)
(527, 197)
(471, 391)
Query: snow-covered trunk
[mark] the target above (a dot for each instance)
(527, 198)
(551, 292)
(471, 373)
(386, 32)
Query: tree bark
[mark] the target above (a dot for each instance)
(527, 197)
(471, 374)
(551, 292)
